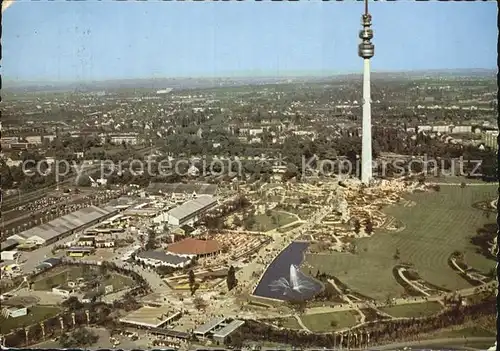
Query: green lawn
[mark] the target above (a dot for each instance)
(303, 211)
(35, 314)
(277, 219)
(452, 179)
(440, 223)
(60, 278)
(322, 322)
(413, 310)
(289, 323)
(118, 281)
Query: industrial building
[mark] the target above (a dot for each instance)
(188, 212)
(61, 227)
(8, 244)
(194, 248)
(218, 329)
(9, 255)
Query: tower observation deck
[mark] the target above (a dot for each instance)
(366, 50)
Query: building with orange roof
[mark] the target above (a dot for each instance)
(194, 248)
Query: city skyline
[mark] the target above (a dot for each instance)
(91, 42)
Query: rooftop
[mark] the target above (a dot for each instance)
(52, 261)
(7, 244)
(67, 222)
(209, 326)
(152, 317)
(162, 256)
(192, 246)
(181, 188)
(228, 329)
(191, 206)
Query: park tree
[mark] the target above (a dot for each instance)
(72, 304)
(421, 179)
(151, 243)
(231, 278)
(357, 226)
(369, 227)
(199, 303)
(81, 337)
(250, 222)
(192, 281)
(299, 306)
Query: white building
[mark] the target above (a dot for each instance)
(188, 212)
(441, 129)
(36, 139)
(14, 312)
(461, 129)
(9, 255)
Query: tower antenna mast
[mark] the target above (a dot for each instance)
(366, 50)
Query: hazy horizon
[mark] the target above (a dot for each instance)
(26, 83)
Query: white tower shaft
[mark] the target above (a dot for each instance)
(366, 148)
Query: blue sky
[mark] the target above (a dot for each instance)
(91, 40)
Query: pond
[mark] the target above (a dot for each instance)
(282, 279)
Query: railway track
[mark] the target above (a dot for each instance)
(17, 200)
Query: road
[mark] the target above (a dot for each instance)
(448, 342)
(467, 184)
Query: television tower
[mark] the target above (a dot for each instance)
(366, 50)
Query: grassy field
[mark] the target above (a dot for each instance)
(453, 179)
(413, 310)
(289, 323)
(277, 219)
(323, 322)
(118, 281)
(35, 314)
(440, 223)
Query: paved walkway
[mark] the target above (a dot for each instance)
(302, 325)
(434, 342)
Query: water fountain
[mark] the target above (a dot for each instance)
(296, 284)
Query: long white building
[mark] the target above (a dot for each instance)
(187, 213)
